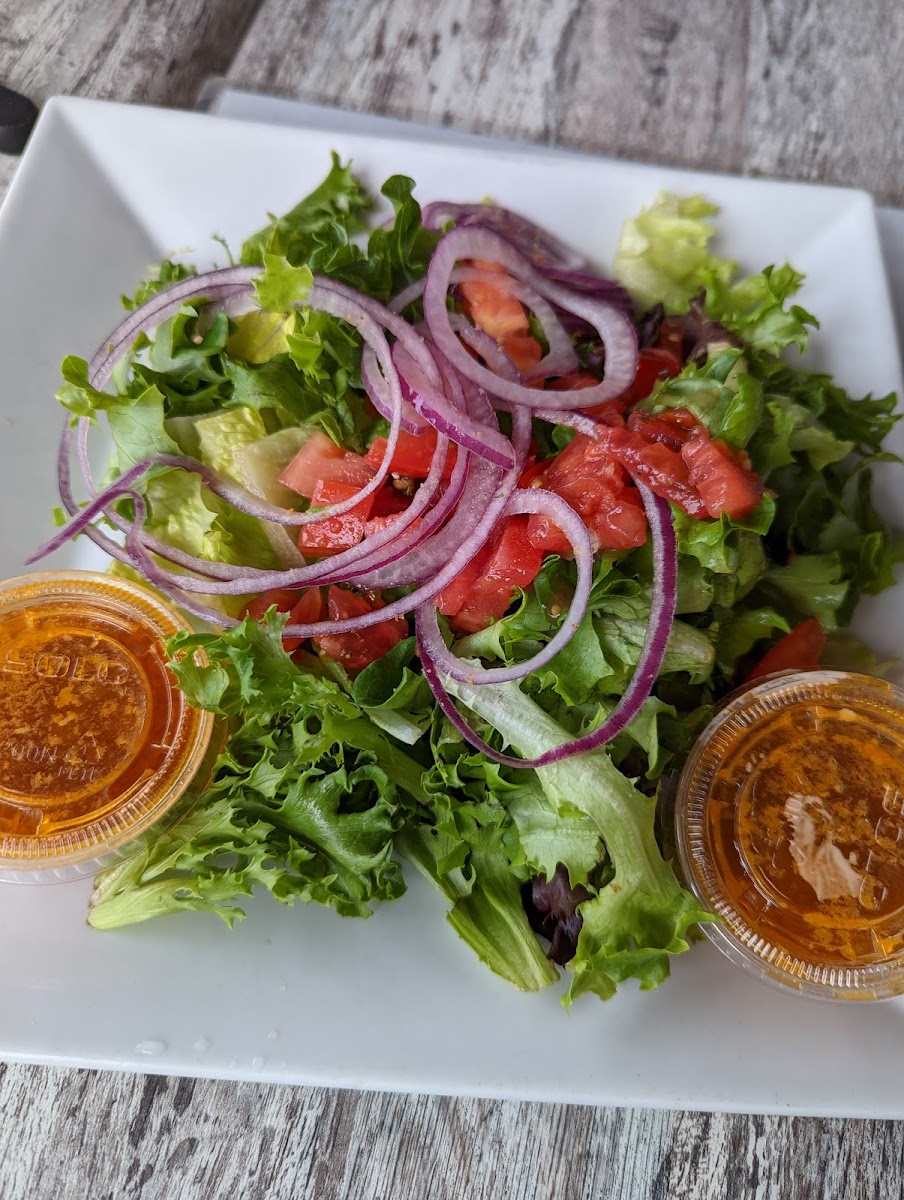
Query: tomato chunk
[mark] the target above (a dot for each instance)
(724, 483)
(321, 460)
(492, 309)
(799, 650)
(589, 476)
(413, 454)
(652, 365)
(304, 607)
(547, 537)
(664, 471)
(673, 427)
(378, 524)
(524, 351)
(573, 382)
(389, 501)
(359, 647)
(454, 594)
(333, 534)
(486, 594)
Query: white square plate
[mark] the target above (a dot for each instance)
(395, 1002)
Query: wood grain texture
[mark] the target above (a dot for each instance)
(823, 93)
(771, 87)
(768, 87)
(605, 76)
(151, 51)
(83, 1135)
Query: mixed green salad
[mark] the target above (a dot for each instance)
(677, 503)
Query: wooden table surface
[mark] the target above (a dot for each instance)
(802, 89)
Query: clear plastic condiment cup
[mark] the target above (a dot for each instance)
(790, 828)
(97, 745)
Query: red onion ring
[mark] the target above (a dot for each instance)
(225, 284)
(536, 243)
(561, 358)
(533, 500)
(448, 418)
(612, 325)
(378, 394)
(662, 612)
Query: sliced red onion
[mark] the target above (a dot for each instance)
(212, 570)
(480, 505)
(589, 426)
(662, 613)
(607, 290)
(614, 328)
(227, 284)
(397, 540)
(532, 500)
(407, 296)
(561, 358)
(486, 346)
(448, 418)
(538, 244)
(378, 393)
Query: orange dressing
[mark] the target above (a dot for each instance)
(791, 829)
(96, 742)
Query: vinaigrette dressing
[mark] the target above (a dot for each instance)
(791, 829)
(96, 742)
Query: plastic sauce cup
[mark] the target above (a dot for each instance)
(96, 742)
(790, 827)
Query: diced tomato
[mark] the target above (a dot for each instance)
(532, 470)
(492, 309)
(321, 460)
(595, 484)
(573, 383)
(620, 522)
(454, 594)
(653, 365)
(664, 471)
(341, 532)
(413, 454)
(725, 484)
(524, 351)
(546, 536)
(614, 517)
(303, 606)
(799, 650)
(378, 524)
(389, 501)
(512, 563)
(360, 647)
(673, 427)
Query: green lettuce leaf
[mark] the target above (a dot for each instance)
(305, 800)
(642, 916)
(334, 211)
(663, 255)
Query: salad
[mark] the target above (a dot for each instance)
(476, 538)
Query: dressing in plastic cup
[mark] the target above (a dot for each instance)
(790, 828)
(97, 744)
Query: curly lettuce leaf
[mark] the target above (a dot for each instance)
(304, 801)
(333, 211)
(663, 257)
(642, 915)
(663, 254)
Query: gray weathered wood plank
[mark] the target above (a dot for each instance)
(84, 1135)
(823, 93)
(607, 76)
(149, 51)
